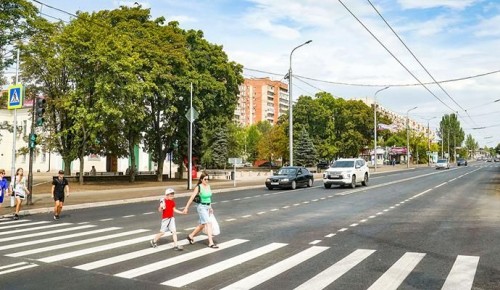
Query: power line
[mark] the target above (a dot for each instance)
(415, 57)
(392, 54)
(378, 85)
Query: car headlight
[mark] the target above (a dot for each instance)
(348, 175)
(268, 180)
(285, 180)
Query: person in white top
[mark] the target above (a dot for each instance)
(20, 190)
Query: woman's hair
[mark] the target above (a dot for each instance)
(203, 175)
(2, 171)
(19, 169)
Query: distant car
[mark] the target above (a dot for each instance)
(290, 177)
(323, 164)
(442, 164)
(461, 162)
(349, 171)
(269, 164)
(496, 159)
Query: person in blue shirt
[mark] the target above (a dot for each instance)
(4, 186)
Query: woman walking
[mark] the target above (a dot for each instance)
(20, 190)
(204, 210)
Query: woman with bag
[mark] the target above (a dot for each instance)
(19, 190)
(204, 210)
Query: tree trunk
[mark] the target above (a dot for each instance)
(160, 171)
(80, 178)
(67, 166)
(132, 162)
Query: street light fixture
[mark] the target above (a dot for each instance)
(429, 141)
(408, 137)
(290, 103)
(375, 126)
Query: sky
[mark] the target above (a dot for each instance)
(358, 47)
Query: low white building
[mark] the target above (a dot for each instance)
(52, 162)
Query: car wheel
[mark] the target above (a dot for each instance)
(294, 184)
(327, 185)
(270, 187)
(365, 180)
(353, 181)
(310, 183)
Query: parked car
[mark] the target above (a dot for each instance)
(461, 162)
(269, 164)
(442, 164)
(323, 164)
(290, 177)
(348, 171)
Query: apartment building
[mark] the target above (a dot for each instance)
(261, 99)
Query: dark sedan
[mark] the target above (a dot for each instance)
(461, 162)
(290, 177)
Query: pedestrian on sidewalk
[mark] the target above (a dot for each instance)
(4, 186)
(167, 208)
(60, 189)
(20, 190)
(203, 208)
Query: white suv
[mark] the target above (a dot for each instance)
(349, 171)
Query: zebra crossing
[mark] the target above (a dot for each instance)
(125, 254)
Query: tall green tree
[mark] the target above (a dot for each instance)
(273, 144)
(451, 134)
(305, 154)
(470, 145)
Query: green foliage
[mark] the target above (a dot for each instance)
(273, 144)
(451, 133)
(219, 149)
(471, 146)
(305, 154)
(252, 140)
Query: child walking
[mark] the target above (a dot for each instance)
(167, 208)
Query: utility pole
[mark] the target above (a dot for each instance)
(14, 135)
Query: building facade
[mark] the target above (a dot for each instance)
(261, 99)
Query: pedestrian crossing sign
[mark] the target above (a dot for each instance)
(16, 96)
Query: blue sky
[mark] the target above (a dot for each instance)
(451, 38)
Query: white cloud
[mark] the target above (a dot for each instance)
(488, 27)
(424, 4)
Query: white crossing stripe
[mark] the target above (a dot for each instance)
(328, 276)
(13, 265)
(11, 221)
(95, 249)
(274, 270)
(133, 255)
(45, 233)
(462, 273)
(23, 244)
(176, 260)
(19, 225)
(75, 243)
(35, 228)
(18, 269)
(197, 275)
(393, 277)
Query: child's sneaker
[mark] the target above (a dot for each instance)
(178, 248)
(16, 217)
(153, 244)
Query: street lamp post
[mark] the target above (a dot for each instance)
(290, 103)
(375, 126)
(408, 137)
(429, 141)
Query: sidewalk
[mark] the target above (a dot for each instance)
(103, 195)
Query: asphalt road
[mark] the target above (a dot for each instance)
(419, 229)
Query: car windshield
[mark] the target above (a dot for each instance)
(287, 171)
(442, 161)
(343, 164)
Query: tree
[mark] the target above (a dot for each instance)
(273, 144)
(219, 148)
(305, 154)
(451, 134)
(16, 23)
(471, 146)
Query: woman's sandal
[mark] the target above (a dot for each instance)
(213, 246)
(191, 241)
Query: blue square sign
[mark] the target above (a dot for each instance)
(16, 96)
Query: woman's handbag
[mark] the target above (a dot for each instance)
(197, 197)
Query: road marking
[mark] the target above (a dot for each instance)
(386, 210)
(247, 216)
(462, 273)
(18, 245)
(342, 230)
(444, 183)
(236, 199)
(274, 209)
(83, 223)
(371, 217)
(328, 276)
(105, 220)
(18, 269)
(133, 255)
(315, 199)
(94, 250)
(230, 220)
(276, 269)
(176, 260)
(363, 220)
(128, 216)
(17, 226)
(379, 213)
(296, 204)
(212, 269)
(13, 222)
(262, 212)
(330, 235)
(35, 228)
(46, 233)
(189, 229)
(71, 244)
(13, 265)
(150, 212)
(398, 272)
(354, 225)
(315, 242)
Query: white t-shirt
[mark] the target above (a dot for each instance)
(19, 186)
